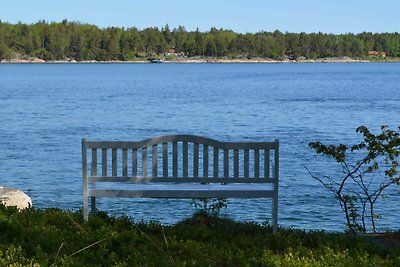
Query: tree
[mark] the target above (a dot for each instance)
(211, 49)
(357, 189)
(199, 42)
(79, 41)
(4, 52)
(167, 35)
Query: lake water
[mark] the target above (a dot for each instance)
(45, 110)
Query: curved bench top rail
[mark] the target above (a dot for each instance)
(179, 138)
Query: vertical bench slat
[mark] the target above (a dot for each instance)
(266, 163)
(124, 162)
(215, 162)
(185, 159)
(104, 162)
(154, 162)
(236, 163)
(94, 173)
(205, 161)
(226, 163)
(256, 163)
(246, 163)
(165, 160)
(94, 162)
(114, 162)
(196, 160)
(134, 162)
(144, 162)
(175, 159)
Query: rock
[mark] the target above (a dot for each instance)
(14, 197)
(37, 60)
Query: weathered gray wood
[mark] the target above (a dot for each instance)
(114, 162)
(226, 162)
(154, 162)
(93, 204)
(185, 159)
(211, 189)
(144, 161)
(124, 162)
(134, 162)
(175, 159)
(196, 160)
(215, 162)
(104, 162)
(246, 163)
(165, 160)
(182, 193)
(266, 163)
(236, 163)
(94, 162)
(205, 161)
(256, 163)
(180, 138)
(93, 179)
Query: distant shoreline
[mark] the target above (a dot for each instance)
(201, 60)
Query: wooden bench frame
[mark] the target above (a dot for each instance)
(247, 179)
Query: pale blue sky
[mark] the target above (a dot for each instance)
(328, 16)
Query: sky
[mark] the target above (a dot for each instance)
(250, 16)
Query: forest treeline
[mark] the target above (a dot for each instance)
(79, 41)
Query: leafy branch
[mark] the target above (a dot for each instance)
(377, 156)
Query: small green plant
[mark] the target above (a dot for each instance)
(358, 188)
(209, 206)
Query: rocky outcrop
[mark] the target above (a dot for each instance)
(14, 197)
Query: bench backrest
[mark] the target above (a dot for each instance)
(181, 158)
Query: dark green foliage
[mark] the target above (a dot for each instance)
(74, 40)
(54, 237)
(209, 206)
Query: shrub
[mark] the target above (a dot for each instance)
(357, 188)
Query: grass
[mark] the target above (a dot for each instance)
(53, 237)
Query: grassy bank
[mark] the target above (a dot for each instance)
(61, 238)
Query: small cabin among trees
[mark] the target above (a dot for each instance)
(375, 54)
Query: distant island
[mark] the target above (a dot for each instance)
(75, 42)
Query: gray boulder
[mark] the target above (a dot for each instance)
(14, 197)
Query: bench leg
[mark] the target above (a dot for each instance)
(85, 208)
(274, 215)
(93, 204)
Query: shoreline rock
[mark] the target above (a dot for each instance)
(200, 60)
(14, 197)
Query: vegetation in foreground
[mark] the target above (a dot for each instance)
(54, 237)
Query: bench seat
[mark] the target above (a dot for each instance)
(179, 190)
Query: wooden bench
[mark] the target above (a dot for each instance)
(180, 166)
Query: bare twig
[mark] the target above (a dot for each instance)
(165, 238)
(58, 252)
(153, 243)
(87, 247)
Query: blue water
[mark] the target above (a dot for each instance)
(45, 110)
